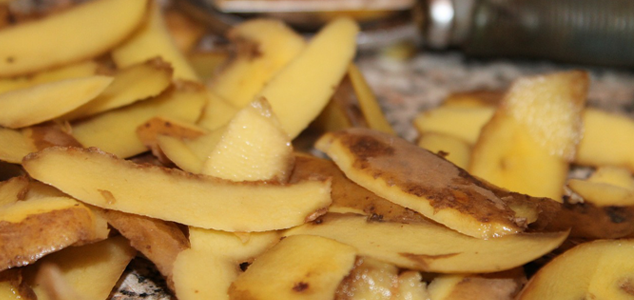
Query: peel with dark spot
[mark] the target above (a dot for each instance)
(412, 177)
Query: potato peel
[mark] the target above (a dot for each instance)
(34, 228)
(430, 247)
(212, 203)
(414, 178)
(57, 40)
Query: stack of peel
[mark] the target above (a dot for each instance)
(526, 139)
(381, 220)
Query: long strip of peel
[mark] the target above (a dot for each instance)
(100, 179)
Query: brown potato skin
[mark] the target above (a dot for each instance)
(346, 193)
(51, 134)
(589, 221)
(40, 234)
(545, 208)
(421, 173)
(158, 240)
(150, 130)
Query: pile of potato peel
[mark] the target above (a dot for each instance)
(123, 146)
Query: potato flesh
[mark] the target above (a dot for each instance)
(22, 210)
(299, 267)
(115, 131)
(25, 50)
(508, 156)
(224, 252)
(605, 135)
(13, 286)
(462, 122)
(253, 147)
(50, 284)
(90, 270)
(616, 176)
(50, 134)
(8, 291)
(599, 269)
(131, 84)
(429, 247)
(368, 102)
(300, 91)
(412, 177)
(230, 246)
(39, 190)
(608, 186)
(264, 46)
(14, 145)
(190, 154)
(217, 112)
(102, 180)
(527, 145)
(75, 70)
(177, 152)
(159, 241)
(613, 278)
(34, 105)
(451, 148)
(13, 190)
(550, 106)
(205, 144)
(192, 279)
(606, 140)
(149, 132)
(153, 40)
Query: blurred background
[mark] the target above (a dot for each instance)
(578, 31)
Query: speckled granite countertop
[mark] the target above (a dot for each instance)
(405, 88)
